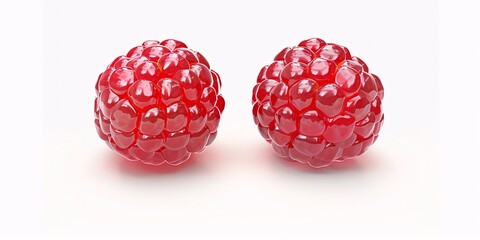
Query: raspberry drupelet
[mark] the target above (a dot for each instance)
(317, 104)
(159, 103)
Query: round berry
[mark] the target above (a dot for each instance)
(332, 52)
(279, 95)
(265, 114)
(173, 44)
(170, 63)
(190, 83)
(143, 94)
(121, 79)
(313, 44)
(302, 94)
(159, 103)
(329, 100)
(146, 70)
(281, 55)
(170, 91)
(152, 121)
(135, 52)
(124, 116)
(154, 53)
(348, 80)
(274, 70)
(108, 100)
(311, 123)
(293, 72)
(285, 118)
(187, 54)
(316, 104)
(203, 73)
(198, 117)
(322, 70)
(299, 54)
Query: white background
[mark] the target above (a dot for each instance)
(58, 180)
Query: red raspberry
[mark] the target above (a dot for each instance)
(159, 103)
(317, 104)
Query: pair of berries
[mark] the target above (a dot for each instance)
(314, 103)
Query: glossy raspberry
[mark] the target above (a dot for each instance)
(317, 104)
(159, 103)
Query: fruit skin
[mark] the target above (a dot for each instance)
(316, 104)
(159, 103)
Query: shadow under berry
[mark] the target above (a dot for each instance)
(359, 164)
(138, 169)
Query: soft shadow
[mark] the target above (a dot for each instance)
(194, 165)
(366, 162)
(139, 168)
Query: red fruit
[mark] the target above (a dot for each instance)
(317, 104)
(160, 103)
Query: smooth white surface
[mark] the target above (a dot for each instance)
(418, 181)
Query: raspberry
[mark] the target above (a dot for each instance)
(317, 104)
(159, 103)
